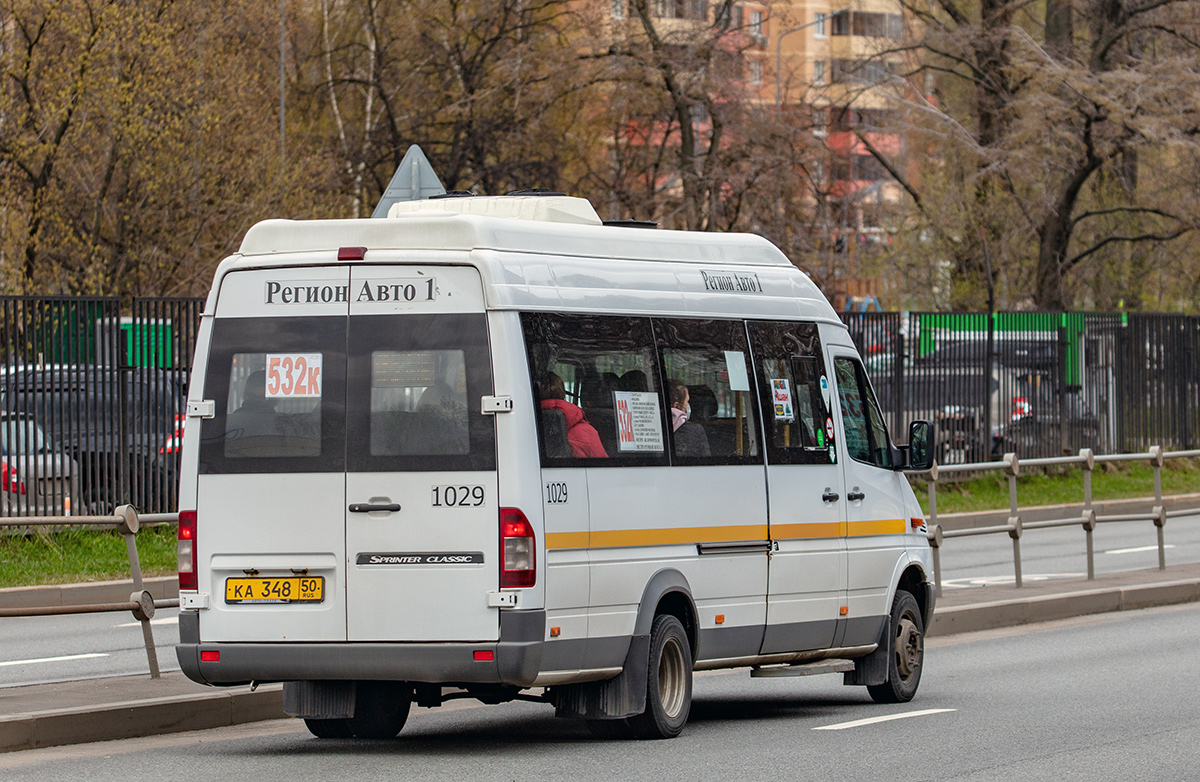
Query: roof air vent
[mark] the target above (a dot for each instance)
(535, 191)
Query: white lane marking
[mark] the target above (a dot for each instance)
(169, 620)
(887, 718)
(64, 658)
(1137, 550)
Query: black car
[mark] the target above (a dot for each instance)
(116, 424)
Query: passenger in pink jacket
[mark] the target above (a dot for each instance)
(581, 435)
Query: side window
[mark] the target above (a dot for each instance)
(866, 435)
(791, 373)
(709, 392)
(597, 390)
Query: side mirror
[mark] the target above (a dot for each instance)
(920, 445)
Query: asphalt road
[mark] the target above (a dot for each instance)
(1100, 698)
(41, 649)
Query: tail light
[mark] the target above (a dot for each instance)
(518, 552)
(10, 480)
(186, 549)
(1020, 408)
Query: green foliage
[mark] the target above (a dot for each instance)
(1054, 487)
(79, 555)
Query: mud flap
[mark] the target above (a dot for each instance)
(320, 700)
(611, 699)
(873, 669)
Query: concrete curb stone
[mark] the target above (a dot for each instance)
(143, 717)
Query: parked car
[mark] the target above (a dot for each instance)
(1043, 424)
(114, 423)
(980, 417)
(36, 477)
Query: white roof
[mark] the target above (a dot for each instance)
(552, 253)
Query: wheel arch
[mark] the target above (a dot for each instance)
(668, 592)
(913, 580)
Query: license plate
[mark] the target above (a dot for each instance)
(293, 589)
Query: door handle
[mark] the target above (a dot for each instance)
(830, 496)
(366, 507)
(855, 495)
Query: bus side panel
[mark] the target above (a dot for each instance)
(649, 519)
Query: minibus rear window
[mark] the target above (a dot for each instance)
(278, 389)
(414, 394)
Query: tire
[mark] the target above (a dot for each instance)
(907, 657)
(381, 709)
(330, 729)
(609, 729)
(668, 682)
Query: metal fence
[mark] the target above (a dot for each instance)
(92, 402)
(1039, 384)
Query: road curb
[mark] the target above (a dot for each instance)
(132, 719)
(1045, 608)
(159, 587)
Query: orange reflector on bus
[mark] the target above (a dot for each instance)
(918, 523)
(844, 610)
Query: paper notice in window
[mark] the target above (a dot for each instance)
(735, 363)
(639, 421)
(293, 375)
(781, 398)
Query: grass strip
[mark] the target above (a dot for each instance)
(1059, 485)
(75, 555)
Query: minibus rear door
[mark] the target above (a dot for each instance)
(422, 513)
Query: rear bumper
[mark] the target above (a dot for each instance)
(517, 657)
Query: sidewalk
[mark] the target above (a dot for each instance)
(47, 715)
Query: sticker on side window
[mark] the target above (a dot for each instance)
(293, 375)
(639, 422)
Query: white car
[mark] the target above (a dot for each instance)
(36, 477)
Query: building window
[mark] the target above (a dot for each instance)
(841, 23)
(618, 9)
(869, 25)
(819, 25)
(756, 72)
(895, 25)
(818, 73)
(756, 22)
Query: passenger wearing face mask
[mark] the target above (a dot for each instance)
(689, 437)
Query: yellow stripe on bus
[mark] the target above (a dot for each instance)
(655, 537)
(877, 527)
(674, 535)
(556, 540)
(822, 529)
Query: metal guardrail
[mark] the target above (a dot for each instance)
(141, 603)
(1088, 518)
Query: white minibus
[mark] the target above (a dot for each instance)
(491, 447)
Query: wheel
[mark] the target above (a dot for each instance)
(330, 729)
(668, 682)
(381, 709)
(908, 652)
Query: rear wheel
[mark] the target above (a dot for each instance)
(381, 709)
(668, 682)
(908, 652)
